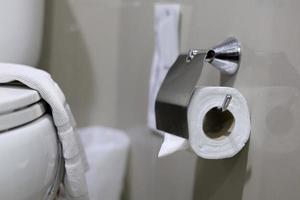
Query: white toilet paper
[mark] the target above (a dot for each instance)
(214, 134)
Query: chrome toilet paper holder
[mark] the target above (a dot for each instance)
(225, 56)
(174, 95)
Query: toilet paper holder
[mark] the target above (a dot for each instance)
(174, 95)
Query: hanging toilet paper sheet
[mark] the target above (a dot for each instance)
(166, 25)
(73, 152)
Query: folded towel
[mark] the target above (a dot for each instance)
(166, 24)
(73, 152)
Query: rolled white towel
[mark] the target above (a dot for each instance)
(73, 153)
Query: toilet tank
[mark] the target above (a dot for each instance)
(21, 28)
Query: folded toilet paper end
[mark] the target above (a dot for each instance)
(172, 144)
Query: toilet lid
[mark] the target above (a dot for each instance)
(19, 105)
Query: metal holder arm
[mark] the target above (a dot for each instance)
(175, 93)
(224, 56)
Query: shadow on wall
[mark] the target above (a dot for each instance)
(222, 179)
(272, 98)
(267, 69)
(136, 44)
(64, 55)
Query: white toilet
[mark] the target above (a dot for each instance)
(31, 166)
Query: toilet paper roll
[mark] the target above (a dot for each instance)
(214, 134)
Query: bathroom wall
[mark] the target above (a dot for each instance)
(100, 52)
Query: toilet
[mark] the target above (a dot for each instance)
(31, 162)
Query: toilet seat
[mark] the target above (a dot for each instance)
(14, 97)
(18, 106)
(29, 148)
